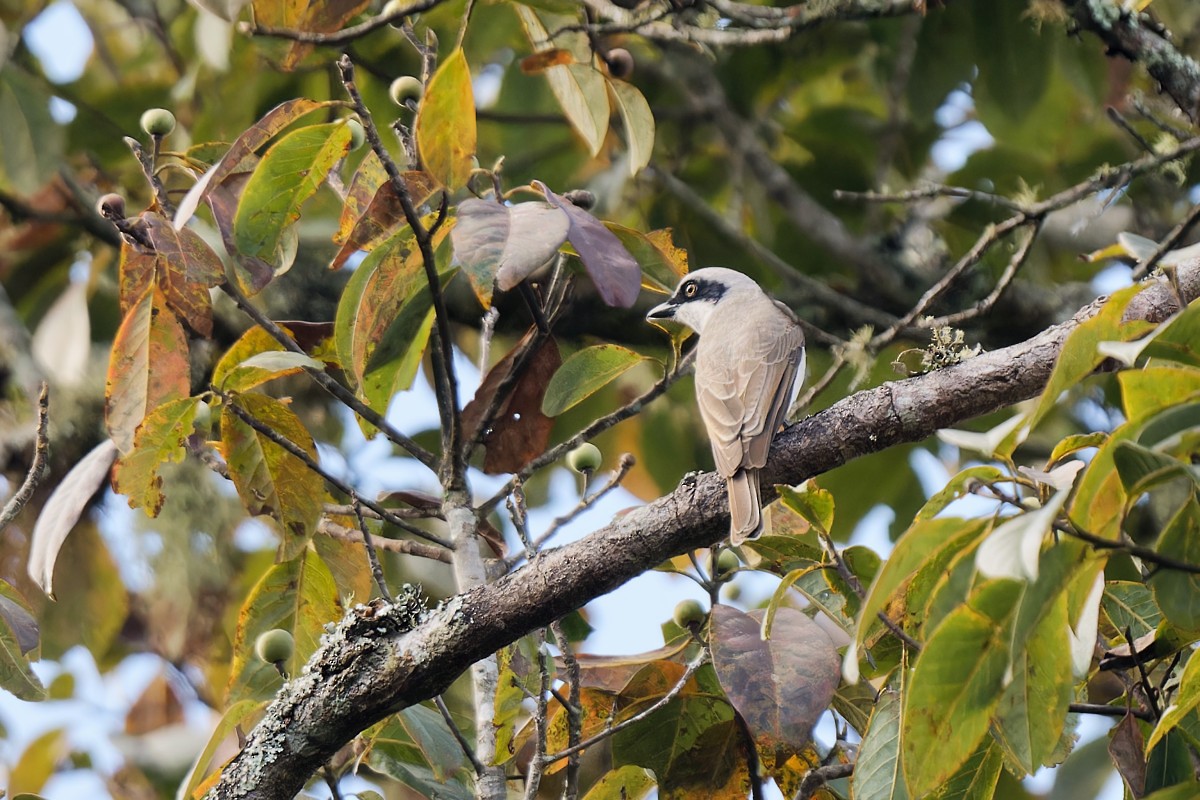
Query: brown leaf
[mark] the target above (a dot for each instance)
(135, 274)
(520, 431)
(158, 707)
(186, 268)
(539, 62)
(383, 216)
(367, 179)
(1126, 748)
(780, 687)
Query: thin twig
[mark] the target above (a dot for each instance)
(929, 192)
(820, 776)
(345, 34)
(1119, 120)
(453, 471)
(1135, 550)
(572, 707)
(37, 469)
(1167, 244)
(341, 393)
(630, 409)
(626, 463)
(692, 666)
(1006, 278)
(458, 736)
(372, 556)
(538, 763)
(146, 162)
(1110, 711)
(335, 791)
(333, 530)
(308, 461)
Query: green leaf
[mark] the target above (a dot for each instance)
(518, 672)
(1146, 391)
(812, 503)
(160, 439)
(445, 126)
(234, 715)
(16, 677)
(692, 744)
(299, 596)
(269, 479)
(580, 89)
(395, 753)
(441, 750)
(290, 173)
(584, 374)
(661, 262)
(256, 357)
(924, 542)
(1131, 605)
(31, 142)
(1169, 763)
(626, 783)
(639, 123)
(1079, 356)
(1033, 710)
(976, 779)
(1187, 699)
(877, 774)
(959, 486)
(956, 684)
(1177, 592)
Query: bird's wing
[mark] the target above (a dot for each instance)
(744, 395)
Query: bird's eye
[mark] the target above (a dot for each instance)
(689, 289)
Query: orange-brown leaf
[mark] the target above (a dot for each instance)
(383, 216)
(520, 431)
(539, 62)
(148, 366)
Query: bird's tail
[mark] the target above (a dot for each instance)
(745, 506)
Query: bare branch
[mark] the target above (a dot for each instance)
(343, 487)
(37, 469)
(408, 547)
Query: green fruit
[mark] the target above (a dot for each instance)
(727, 562)
(406, 88)
(732, 592)
(358, 134)
(111, 206)
(689, 614)
(585, 458)
(158, 122)
(275, 646)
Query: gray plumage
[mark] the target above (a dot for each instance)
(749, 353)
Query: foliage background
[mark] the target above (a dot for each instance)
(757, 136)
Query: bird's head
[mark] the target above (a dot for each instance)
(701, 294)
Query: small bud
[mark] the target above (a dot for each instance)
(581, 198)
(158, 122)
(111, 206)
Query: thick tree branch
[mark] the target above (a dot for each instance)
(1137, 37)
(361, 675)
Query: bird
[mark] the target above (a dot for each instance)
(748, 355)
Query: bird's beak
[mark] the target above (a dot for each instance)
(662, 311)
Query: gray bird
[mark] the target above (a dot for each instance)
(747, 358)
